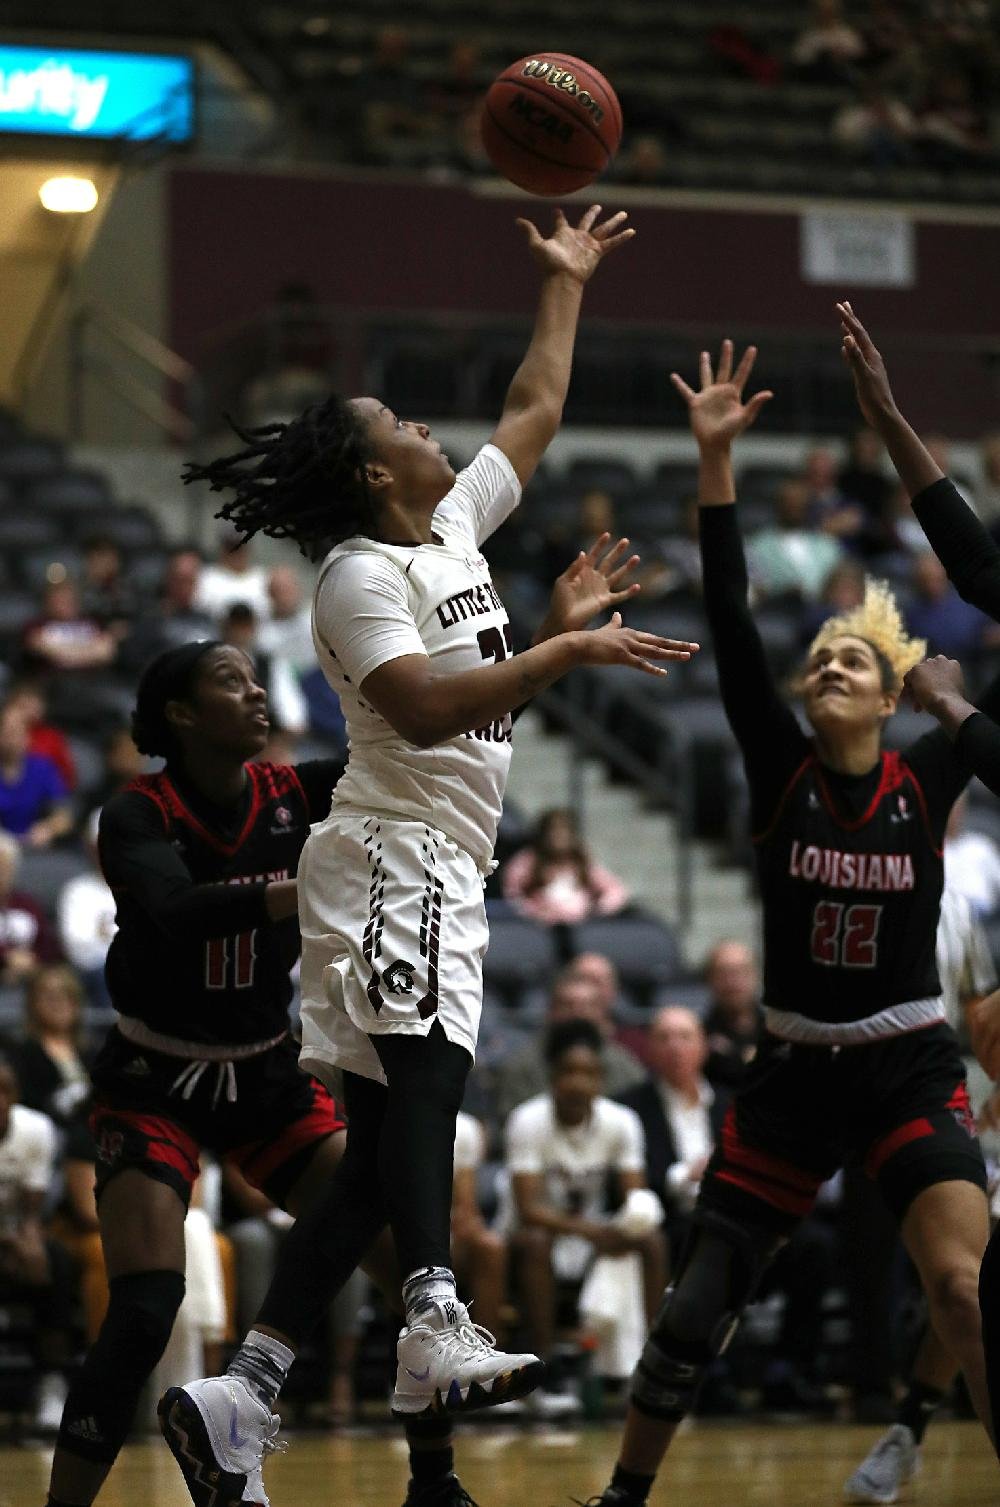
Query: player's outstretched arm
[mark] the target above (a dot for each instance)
(568, 258)
(717, 415)
(426, 708)
(914, 463)
(964, 547)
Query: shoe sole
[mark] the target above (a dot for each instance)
(507, 1387)
(183, 1427)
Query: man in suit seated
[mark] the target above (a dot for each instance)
(681, 1115)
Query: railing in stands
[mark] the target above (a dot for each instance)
(93, 323)
(672, 770)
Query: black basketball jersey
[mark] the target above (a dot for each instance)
(207, 965)
(850, 904)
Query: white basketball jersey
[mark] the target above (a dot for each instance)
(375, 602)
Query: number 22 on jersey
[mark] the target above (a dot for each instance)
(845, 935)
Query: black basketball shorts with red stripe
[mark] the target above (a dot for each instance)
(270, 1131)
(897, 1107)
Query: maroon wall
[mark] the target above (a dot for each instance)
(236, 236)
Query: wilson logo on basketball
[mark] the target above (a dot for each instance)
(561, 78)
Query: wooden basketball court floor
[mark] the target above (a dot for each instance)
(711, 1465)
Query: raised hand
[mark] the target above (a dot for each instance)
(871, 380)
(579, 249)
(616, 645)
(594, 582)
(717, 413)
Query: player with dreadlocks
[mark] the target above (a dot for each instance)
(413, 637)
(855, 1060)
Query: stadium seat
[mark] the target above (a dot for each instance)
(30, 459)
(643, 949)
(72, 492)
(17, 608)
(144, 571)
(131, 528)
(520, 953)
(676, 479)
(89, 762)
(23, 531)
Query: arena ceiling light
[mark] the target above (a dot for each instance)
(68, 196)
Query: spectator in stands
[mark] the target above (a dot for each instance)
(864, 480)
(286, 704)
(479, 1254)
(573, 997)
(829, 50)
(85, 912)
(176, 617)
(458, 89)
(674, 564)
(34, 1272)
(232, 578)
(644, 161)
(951, 129)
(971, 862)
(26, 937)
(43, 736)
(288, 634)
(888, 37)
(394, 111)
(600, 973)
(793, 557)
(33, 797)
(828, 508)
(556, 881)
(903, 538)
(52, 1061)
(681, 1114)
(105, 591)
(843, 589)
(122, 764)
(937, 613)
(562, 1148)
(64, 637)
(875, 127)
(733, 1018)
(988, 491)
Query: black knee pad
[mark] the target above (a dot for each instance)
(102, 1401)
(719, 1271)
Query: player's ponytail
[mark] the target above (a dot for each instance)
(304, 480)
(170, 677)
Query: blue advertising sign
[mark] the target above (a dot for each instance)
(57, 91)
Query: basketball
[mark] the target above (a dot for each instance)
(551, 123)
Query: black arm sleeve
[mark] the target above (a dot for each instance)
(962, 544)
(138, 859)
(944, 767)
(978, 748)
(317, 778)
(764, 725)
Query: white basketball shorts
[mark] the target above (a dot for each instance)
(393, 936)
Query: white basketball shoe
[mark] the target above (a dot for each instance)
(891, 1463)
(219, 1433)
(448, 1364)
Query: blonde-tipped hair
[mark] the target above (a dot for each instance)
(879, 622)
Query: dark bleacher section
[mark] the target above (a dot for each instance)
(715, 85)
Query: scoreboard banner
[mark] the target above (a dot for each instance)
(101, 96)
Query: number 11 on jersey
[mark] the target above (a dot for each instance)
(230, 954)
